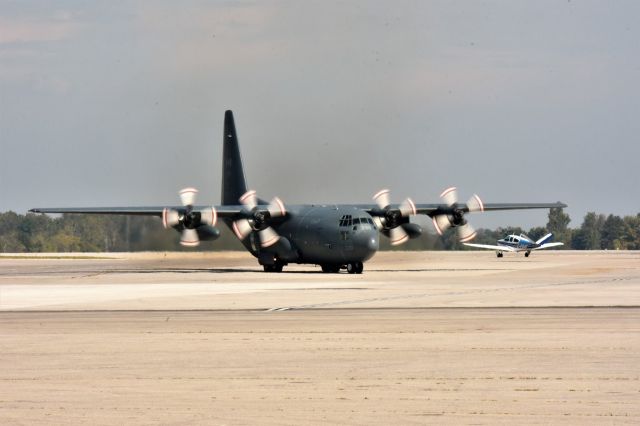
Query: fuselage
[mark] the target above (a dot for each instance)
(321, 234)
(517, 242)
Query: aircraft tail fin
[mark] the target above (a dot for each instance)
(233, 181)
(545, 239)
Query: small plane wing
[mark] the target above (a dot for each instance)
(548, 245)
(490, 247)
(222, 211)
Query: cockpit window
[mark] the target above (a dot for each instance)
(346, 220)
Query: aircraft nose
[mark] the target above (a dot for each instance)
(370, 244)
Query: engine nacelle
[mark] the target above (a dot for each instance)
(282, 249)
(456, 218)
(207, 233)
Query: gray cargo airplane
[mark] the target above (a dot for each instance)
(333, 236)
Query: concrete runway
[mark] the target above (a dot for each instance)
(426, 337)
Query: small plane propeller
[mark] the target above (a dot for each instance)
(257, 219)
(453, 215)
(390, 219)
(188, 218)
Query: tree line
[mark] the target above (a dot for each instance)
(88, 233)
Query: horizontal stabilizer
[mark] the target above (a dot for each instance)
(549, 245)
(490, 247)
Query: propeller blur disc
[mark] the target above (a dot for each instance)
(466, 233)
(378, 221)
(242, 228)
(249, 199)
(276, 208)
(398, 236)
(189, 238)
(209, 216)
(408, 208)
(441, 223)
(382, 198)
(268, 237)
(450, 196)
(188, 196)
(475, 204)
(170, 218)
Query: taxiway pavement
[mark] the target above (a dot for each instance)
(420, 337)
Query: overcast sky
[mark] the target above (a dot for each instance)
(121, 103)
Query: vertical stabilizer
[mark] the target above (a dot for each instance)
(233, 183)
(545, 239)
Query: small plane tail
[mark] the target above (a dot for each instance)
(233, 181)
(545, 239)
(549, 245)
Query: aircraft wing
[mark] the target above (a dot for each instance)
(432, 210)
(548, 245)
(490, 247)
(222, 211)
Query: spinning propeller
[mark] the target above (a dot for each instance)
(257, 219)
(188, 218)
(453, 215)
(391, 219)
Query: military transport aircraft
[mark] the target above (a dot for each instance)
(516, 243)
(333, 236)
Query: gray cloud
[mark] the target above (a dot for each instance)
(518, 101)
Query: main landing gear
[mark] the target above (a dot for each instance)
(499, 254)
(276, 267)
(330, 269)
(527, 253)
(352, 268)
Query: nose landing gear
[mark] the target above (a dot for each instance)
(355, 267)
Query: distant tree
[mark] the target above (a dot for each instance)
(537, 232)
(589, 236)
(558, 224)
(613, 232)
(632, 232)
(487, 236)
(42, 233)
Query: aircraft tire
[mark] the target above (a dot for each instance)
(330, 269)
(277, 267)
(527, 253)
(352, 267)
(359, 267)
(499, 254)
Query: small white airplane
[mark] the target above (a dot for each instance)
(516, 243)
